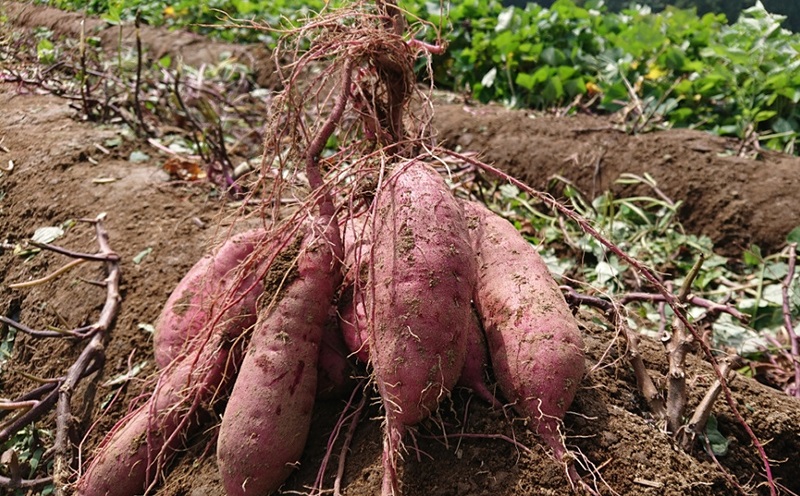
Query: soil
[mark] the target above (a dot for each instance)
(59, 173)
(733, 200)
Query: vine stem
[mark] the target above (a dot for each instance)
(787, 317)
(318, 143)
(669, 298)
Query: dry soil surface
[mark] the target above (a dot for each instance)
(60, 174)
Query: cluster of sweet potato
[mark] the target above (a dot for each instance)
(436, 289)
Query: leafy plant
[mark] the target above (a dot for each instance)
(647, 229)
(673, 67)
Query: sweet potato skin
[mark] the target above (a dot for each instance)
(268, 416)
(213, 289)
(334, 370)
(134, 454)
(534, 342)
(417, 300)
(353, 323)
(473, 375)
(352, 304)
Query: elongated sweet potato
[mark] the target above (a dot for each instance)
(535, 346)
(268, 416)
(418, 300)
(353, 324)
(473, 375)
(334, 371)
(133, 456)
(352, 305)
(213, 289)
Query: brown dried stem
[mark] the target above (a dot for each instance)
(648, 389)
(678, 344)
(697, 424)
(31, 484)
(59, 391)
(787, 317)
(713, 307)
(93, 352)
(96, 257)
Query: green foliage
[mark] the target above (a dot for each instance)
(731, 8)
(739, 80)
(673, 66)
(647, 229)
(28, 448)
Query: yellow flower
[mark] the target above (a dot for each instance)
(655, 73)
(169, 11)
(592, 88)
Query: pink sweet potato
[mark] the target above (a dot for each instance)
(418, 300)
(268, 416)
(353, 323)
(535, 346)
(132, 457)
(334, 371)
(473, 375)
(352, 306)
(213, 289)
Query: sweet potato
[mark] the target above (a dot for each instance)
(473, 375)
(352, 310)
(132, 457)
(353, 324)
(535, 346)
(334, 371)
(418, 300)
(213, 289)
(268, 416)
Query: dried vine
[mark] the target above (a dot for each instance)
(31, 406)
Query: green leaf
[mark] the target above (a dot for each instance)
(553, 90)
(575, 87)
(794, 236)
(527, 81)
(47, 235)
(509, 191)
(781, 125)
(565, 72)
(765, 115)
(674, 59)
(605, 272)
(553, 57)
(45, 51)
(752, 256)
(141, 255)
(718, 442)
(35, 459)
